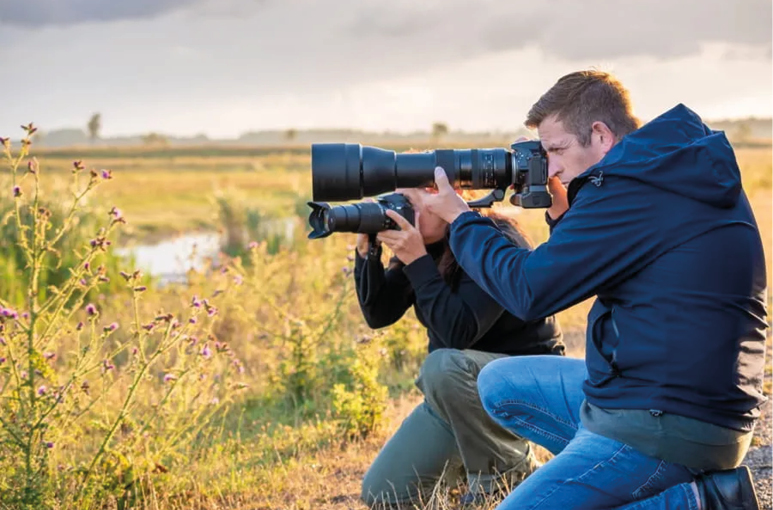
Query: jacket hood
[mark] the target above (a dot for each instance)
(677, 152)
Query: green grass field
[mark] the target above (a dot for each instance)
(280, 399)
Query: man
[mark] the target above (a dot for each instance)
(656, 225)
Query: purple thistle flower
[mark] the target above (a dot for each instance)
(49, 444)
(83, 282)
(192, 320)
(107, 174)
(79, 326)
(135, 350)
(86, 266)
(25, 315)
(23, 374)
(211, 311)
(2, 360)
(206, 352)
(107, 365)
(112, 327)
(42, 391)
(196, 303)
(141, 288)
(17, 191)
(91, 310)
(149, 327)
(169, 378)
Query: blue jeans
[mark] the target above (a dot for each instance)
(539, 398)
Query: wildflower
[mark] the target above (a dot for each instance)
(169, 378)
(103, 279)
(135, 350)
(196, 303)
(206, 352)
(49, 444)
(5, 141)
(91, 310)
(2, 360)
(79, 326)
(42, 391)
(87, 266)
(25, 315)
(77, 166)
(83, 282)
(85, 387)
(238, 280)
(107, 365)
(221, 347)
(141, 288)
(126, 276)
(346, 270)
(192, 320)
(253, 245)
(211, 311)
(32, 166)
(115, 212)
(17, 191)
(106, 174)
(49, 355)
(2, 340)
(112, 327)
(29, 128)
(214, 401)
(149, 327)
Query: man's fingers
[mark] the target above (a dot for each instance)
(441, 180)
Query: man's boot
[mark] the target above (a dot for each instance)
(728, 490)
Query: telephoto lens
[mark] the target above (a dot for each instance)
(342, 171)
(361, 217)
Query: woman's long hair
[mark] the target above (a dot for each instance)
(449, 267)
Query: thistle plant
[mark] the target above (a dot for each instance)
(70, 376)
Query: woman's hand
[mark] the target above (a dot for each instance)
(407, 243)
(363, 245)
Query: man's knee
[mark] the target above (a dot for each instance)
(376, 491)
(444, 371)
(495, 382)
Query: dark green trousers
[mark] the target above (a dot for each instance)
(448, 437)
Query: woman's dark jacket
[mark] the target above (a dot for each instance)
(459, 315)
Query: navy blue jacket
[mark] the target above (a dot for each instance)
(662, 233)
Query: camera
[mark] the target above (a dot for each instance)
(343, 171)
(362, 217)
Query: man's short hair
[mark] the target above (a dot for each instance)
(581, 98)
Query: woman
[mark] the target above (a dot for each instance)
(449, 435)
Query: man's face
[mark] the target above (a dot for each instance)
(567, 158)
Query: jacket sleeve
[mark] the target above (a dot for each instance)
(458, 317)
(600, 240)
(384, 295)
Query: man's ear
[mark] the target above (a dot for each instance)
(605, 137)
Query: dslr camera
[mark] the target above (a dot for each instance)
(342, 172)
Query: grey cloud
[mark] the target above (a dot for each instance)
(70, 12)
(571, 29)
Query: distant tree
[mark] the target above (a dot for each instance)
(743, 132)
(290, 134)
(155, 139)
(94, 126)
(439, 129)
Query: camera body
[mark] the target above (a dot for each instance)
(352, 171)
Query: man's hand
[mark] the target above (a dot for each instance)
(407, 243)
(445, 203)
(560, 198)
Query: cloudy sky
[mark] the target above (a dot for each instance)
(223, 67)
